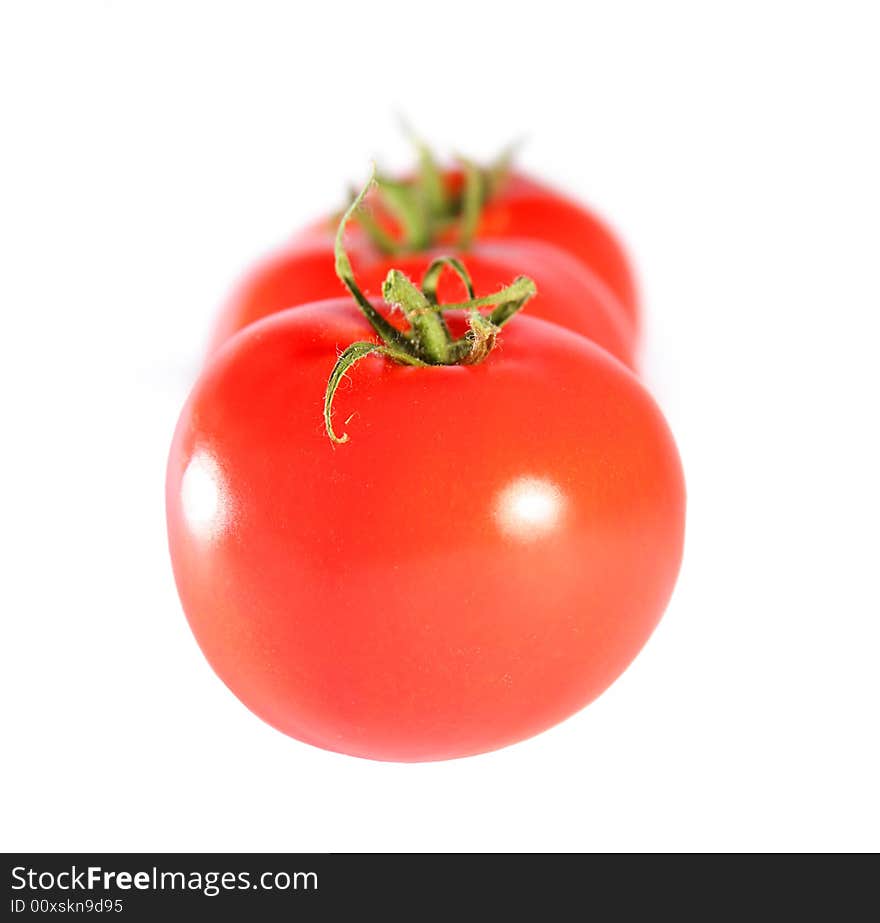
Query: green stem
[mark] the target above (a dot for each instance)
(379, 237)
(479, 341)
(407, 202)
(497, 172)
(472, 201)
(431, 179)
(346, 360)
(424, 207)
(515, 297)
(508, 301)
(429, 340)
(389, 333)
(430, 335)
(431, 278)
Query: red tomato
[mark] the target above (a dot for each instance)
(568, 293)
(522, 207)
(525, 208)
(486, 554)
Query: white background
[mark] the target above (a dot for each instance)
(152, 150)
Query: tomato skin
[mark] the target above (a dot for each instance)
(483, 558)
(298, 274)
(524, 207)
(568, 293)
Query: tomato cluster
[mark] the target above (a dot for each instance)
(406, 520)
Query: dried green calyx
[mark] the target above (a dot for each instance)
(425, 209)
(427, 339)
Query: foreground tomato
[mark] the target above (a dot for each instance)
(568, 293)
(488, 552)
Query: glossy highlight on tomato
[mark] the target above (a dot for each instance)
(483, 558)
